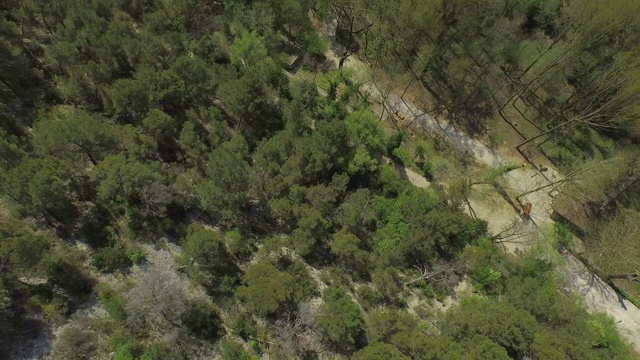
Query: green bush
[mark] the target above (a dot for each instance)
(110, 259)
(605, 334)
(244, 326)
(231, 350)
(203, 320)
(112, 302)
(368, 297)
(341, 318)
(136, 255)
(394, 142)
(125, 348)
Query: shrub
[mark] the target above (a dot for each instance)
(394, 142)
(341, 319)
(110, 259)
(203, 320)
(112, 302)
(244, 326)
(136, 255)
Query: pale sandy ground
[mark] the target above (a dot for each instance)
(514, 233)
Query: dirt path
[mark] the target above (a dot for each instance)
(513, 232)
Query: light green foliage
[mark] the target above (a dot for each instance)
(340, 318)
(136, 255)
(365, 130)
(604, 333)
(392, 184)
(362, 162)
(248, 50)
(113, 302)
(265, 288)
(231, 350)
(123, 352)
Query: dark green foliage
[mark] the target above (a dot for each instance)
(341, 319)
(508, 326)
(244, 326)
(207, 257)
(305, 285)
(76, 135)
(347, 247)
(265, 289)
(161, 121)
(394, 142)
(380, 351)
(203, 320)
(224, 191)
(388, 285)
(69, 277)
(111, 258)
(40, 187)
(22, 249)
(369, 297)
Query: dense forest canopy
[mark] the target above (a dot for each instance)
(170, 191)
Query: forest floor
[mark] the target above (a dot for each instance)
(502, 209)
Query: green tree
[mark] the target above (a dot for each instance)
(481, 347)
(384, 325)
(205, 251)
(76, 135)
(379, 351)
(248, 50)
(22, 250)
(159, 124)
(347, 247)
(134, 188)
(341, 318)
(202, 319)
(41, 187)
(224, 192)
(311, 231)
(512, 328)
(265, 289)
